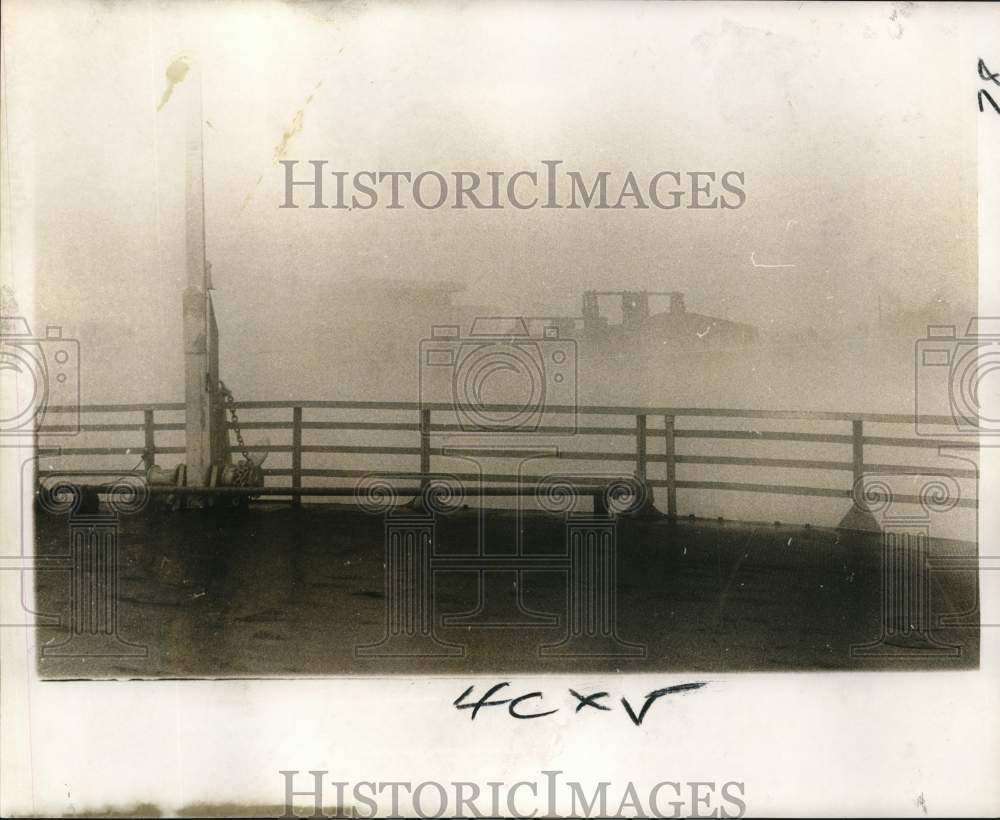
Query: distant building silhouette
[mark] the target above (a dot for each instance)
(677, 327)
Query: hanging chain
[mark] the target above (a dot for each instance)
(230, 401)
(247, 473)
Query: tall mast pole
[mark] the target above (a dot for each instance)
(205, 432)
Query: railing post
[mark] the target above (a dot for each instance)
(297, 453)
(670, 452)
(425, 446)
(149, 451)
(640, 447)
(858, 446)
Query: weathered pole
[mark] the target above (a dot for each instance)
(205, 430)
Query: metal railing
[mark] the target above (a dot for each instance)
(654, 434)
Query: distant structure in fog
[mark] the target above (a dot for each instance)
(912, 323)
(675, 327)
(388, 317)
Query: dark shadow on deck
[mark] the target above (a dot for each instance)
(277, 591)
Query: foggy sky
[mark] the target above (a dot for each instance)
(851, 123)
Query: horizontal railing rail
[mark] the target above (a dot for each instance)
(567, 409)
(653, 431)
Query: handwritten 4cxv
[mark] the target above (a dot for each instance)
(530, 705)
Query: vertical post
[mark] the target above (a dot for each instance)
(425, 446)
(297, 453)
(671, 455)
(858, 446)
(218, 437)
(205, 439)
(640, 447)
(149, 450)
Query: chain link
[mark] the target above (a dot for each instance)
(230, 401)
(247, 473)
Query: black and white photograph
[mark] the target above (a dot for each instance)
(388, 387)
